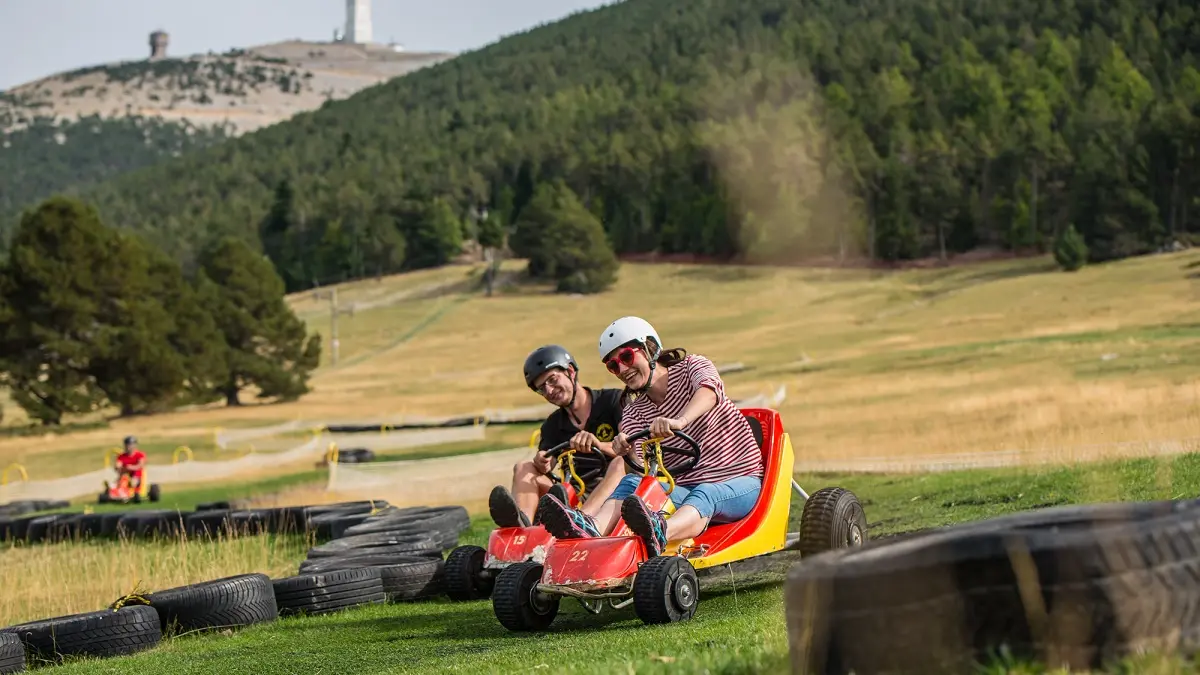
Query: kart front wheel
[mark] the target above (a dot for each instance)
(463, 575)
(517, 603)
(832, 518)
(154, 492)
(666, 590)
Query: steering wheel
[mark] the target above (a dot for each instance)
(593, 466)
(692, 453)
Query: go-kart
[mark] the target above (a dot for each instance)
(125, 493)
(665, 588)
(470, 571)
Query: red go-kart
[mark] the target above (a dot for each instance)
(123, 492)
(665, 588)
(470, 571)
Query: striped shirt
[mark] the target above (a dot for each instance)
(727, 446)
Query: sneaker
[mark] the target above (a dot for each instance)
(651, 526)
(560, 493)
(504, 509)
(563, 521)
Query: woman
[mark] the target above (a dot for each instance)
(668, 391)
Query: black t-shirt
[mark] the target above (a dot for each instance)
(603, 421)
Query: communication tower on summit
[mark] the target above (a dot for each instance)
(358, 22)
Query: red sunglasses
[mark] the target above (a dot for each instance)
(625, 355)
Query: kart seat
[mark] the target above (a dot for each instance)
(760, 420)
(756, 429)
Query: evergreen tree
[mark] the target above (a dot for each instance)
(564, 241)
(265, 341)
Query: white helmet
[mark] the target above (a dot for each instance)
(628, 329)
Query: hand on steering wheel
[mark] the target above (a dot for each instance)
(632, 457)
(593, 463)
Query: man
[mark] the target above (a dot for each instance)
(132, 461)
(585, 417)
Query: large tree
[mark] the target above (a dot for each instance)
(266, 345)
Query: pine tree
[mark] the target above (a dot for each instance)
(265, 340)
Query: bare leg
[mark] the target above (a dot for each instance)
(607, 515)
(685, 523)
(599, 496)
(527, 486)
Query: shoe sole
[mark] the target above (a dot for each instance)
(638, 518)
(553, 515)
(504, 510)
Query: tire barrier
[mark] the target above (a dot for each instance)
(1072, 587)
(368, 553)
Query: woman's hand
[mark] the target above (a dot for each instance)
(620, 445)
(664, 427)
(584, 441)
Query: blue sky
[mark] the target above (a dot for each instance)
(42, 37)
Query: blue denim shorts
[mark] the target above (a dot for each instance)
(722, 502)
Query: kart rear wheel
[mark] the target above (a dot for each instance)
(516, 601)
(666, 590)
(832, 518)
(463, 574)
(154, 492)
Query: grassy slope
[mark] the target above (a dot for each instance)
(1000, 355)
(739, 628)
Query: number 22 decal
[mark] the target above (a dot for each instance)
(578, 555)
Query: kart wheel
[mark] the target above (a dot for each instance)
(517, 603)
(154, 492)
(463, 574)
(103, 498)
(666, 590)
(832, 518)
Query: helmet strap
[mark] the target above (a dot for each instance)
(650, 378)
(570, 404)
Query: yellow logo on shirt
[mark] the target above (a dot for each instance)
(605, 432)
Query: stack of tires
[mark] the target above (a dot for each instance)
(372, 553)
(405, 545)
(1074, 587)
(133, 624)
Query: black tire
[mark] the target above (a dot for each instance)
(399, 543)
(214, 506)
(404, 578)
(154, 492)
(12, 654)
(234, 601)
(1071, 587)
(329, 591)
(463, 576)
(832, 518)
(516, 603)
(333, 525)
(666, 590)
(103, 633)
(155, 523)
(210, 523)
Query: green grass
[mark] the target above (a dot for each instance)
(739, 627)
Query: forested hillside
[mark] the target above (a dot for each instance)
(761, 128)
(49, 156)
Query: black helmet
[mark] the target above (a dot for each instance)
(131, 440)
(545, 358)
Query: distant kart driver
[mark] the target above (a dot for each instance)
(587, 418)
(131, 461)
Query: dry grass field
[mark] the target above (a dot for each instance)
(993, 356)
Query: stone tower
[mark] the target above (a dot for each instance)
(358, 21)
(158, 44)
